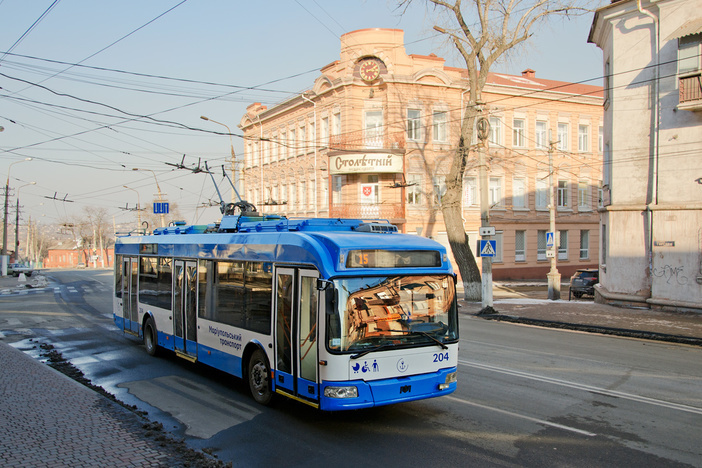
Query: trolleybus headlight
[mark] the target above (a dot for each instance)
(341, 392)
(450, 378)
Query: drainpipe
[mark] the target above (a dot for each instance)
(314, 117)
(656, 136)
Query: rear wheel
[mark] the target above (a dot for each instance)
(259, 378)
(577, 294)
(150, 337)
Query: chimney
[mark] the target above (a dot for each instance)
(529, 73)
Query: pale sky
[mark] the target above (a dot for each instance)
(84, 126)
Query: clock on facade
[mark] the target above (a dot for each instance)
(369, 70)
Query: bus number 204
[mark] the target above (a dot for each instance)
(439, 357)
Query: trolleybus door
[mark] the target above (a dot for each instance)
(185, 307)
(130, 308)
(296, 332)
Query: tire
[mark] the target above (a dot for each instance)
(258, 375)
(150, 337)
(577, 294)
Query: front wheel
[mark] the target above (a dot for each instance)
(150, 337)
(259, 378)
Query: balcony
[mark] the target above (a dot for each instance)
(368, 140)
(691, 92)
(392, 212)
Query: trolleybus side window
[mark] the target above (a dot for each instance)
(155, 281)
(118, 276)
(236, 293)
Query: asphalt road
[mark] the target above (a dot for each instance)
(527, 396)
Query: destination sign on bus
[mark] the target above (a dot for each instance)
(393, 259)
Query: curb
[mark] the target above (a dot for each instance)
(646, 335)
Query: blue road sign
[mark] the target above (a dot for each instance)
(161, 208)
(488, 248)
(549, 240)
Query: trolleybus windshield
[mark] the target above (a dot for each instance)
(393, 311)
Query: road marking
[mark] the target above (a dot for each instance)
(522, 416)
(589, 388)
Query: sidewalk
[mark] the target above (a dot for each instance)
(48, 419)
(528, 303)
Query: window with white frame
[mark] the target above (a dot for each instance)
(563, 245)
(689, 53)
(373, 134)
(520, 246)
(292, 143)
(498, 258)
(325, 132)
(600, 195)
(519, 193)
(541, 135)
(302, 194)
(337, 185)
(519, 133)
(562, 194)
(583, 138)
(414, 189)
(302, 140)
(495, 192)
(440, 126)
(583, 195)
(336, 123)
(284, 193)
(414, 124)
(600, 140)
(292, 196)
(439, 183)
(283, 145)
(542, 190)
(495, 130)
(274, 147)
(312, 141)
(584, 244)
(541, 245)
(325, 195)
(266, 150)
(563, 136)
(470, 191)
(248, 155)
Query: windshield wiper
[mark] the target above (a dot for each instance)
(433, 338)
(370, 350)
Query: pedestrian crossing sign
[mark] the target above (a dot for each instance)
(549, 240)
(488, 248)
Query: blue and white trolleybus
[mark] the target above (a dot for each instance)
(335, 313)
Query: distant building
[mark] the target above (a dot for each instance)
(651, 224)
(74, 258)
(374, 135)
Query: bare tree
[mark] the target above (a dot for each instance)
(483, 32)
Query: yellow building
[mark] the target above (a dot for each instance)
(374, 136)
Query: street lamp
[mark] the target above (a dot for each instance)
(138, 208)
(17, 221)
(160, 198)
(231, 144)
(7, 192)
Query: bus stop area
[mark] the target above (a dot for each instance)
(48, 419)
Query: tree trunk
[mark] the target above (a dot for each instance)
(451, 207)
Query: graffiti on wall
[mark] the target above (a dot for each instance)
(671, 273)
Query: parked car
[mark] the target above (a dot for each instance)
(15, 269)
(583, 282)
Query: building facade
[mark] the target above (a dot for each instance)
(652, 219)
(375, 134)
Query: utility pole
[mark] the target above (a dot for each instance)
(554, 277)
(483, 126)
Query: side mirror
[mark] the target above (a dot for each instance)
(323, 285)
